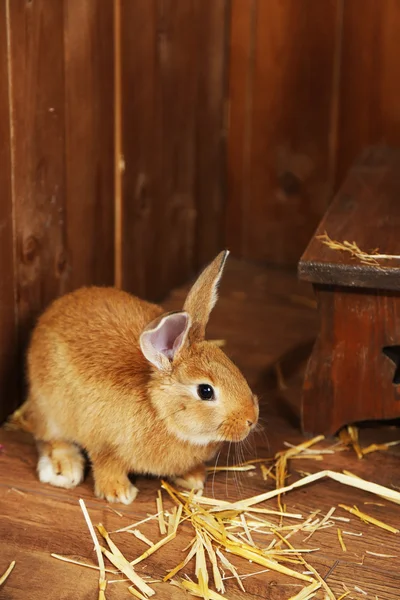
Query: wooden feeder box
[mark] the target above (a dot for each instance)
(353, 373)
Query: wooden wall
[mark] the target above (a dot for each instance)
(311, 83)
(281, 76)
(174, 57)
(239, 119)
(56, 163)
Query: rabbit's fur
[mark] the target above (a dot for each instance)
(117, 376)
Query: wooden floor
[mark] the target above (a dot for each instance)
(265, 316)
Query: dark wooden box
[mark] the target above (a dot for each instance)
(353, 372)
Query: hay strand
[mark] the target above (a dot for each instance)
(371, 258)
(341, 542)
(139, 535)
(7, 572)
(368, 519)
(80, 563)
(160, 511)
(120, 562)
(194, 589)
(307, 592)
(356, 482)
(154, 548)
(102, 576)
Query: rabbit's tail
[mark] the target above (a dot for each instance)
(19, 420)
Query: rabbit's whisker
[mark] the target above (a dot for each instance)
(227, 472)
(215, 470)
(239, 459)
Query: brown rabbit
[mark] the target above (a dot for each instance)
(140, 390)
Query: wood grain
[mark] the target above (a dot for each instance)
(382, 583)
(172, 83)
(119, 164)
(348, 374)
(8, 325)
(173, 225)
(369, 110)
(61, 114)
(37, 72)
(241, 74)
(89, 147)
(285, 114)
(210, 136)
(141, 146)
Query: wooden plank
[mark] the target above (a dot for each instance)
(8, 331)
(159, 90)
(369, 107)
(89, 156)
(39, 172)
(375, 583)
(285, 176)
(173, 60)
(211, 104)
(241, 73)
(173, 224)
(139, 139)
(37, 574)
(348, 371)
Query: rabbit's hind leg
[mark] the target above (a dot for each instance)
(60, 463)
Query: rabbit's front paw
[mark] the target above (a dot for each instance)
(117, 490)
(61, 464)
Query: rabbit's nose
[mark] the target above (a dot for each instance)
(250, 423)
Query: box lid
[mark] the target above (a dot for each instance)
(366, 210)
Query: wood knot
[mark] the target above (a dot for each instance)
(30, 249)
(61, 263)
(348, 202)
(289, 183)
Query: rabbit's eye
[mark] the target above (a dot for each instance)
(205, 391)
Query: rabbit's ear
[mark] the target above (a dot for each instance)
(162, 339)
(203, 296)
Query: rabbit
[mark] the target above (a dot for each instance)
(138, 389)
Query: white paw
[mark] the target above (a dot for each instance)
(123, 494)
(68, 477)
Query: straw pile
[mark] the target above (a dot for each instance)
(221, 530)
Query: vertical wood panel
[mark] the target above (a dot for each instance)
(173, 81)
(88, 35)
(240, 101)
(176, 70)
(140, 140)
(8, 331)
(284, 118)
(370, 82)
(159, 90)
(211, 107)
(61, 70)
(39, 139)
